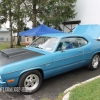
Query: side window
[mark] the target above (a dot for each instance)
(71, 42)
(82, 41)
(67, 43)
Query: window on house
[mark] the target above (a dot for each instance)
(27, 39)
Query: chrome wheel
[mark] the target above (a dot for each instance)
(95, 61)
(31, 82)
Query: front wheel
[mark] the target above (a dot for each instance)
(30, 82)
(95, 62)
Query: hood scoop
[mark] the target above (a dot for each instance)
(13, 52)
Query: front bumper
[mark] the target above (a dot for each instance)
(3, 84)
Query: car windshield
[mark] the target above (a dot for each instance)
(45, 43)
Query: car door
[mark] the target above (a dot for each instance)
(67, 59)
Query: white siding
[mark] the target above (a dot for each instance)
(4, 36)
(88, 11)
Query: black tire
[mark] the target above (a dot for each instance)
(30, 82)
(95, 62)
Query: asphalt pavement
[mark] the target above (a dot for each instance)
(52, 87)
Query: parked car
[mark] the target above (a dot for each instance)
(45, 57)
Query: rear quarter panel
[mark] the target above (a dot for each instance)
(90, 49)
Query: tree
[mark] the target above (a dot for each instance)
(6, 14)
(50, 12)
(13, 12)
(57, 11)
(18, 18)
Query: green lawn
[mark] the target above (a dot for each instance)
(4, 46)
(88, 91)
(7, 45)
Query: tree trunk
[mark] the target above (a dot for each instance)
(34, 15)
(11, 38)
(18, 40)
(18, 25)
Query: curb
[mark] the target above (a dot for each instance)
(67, 91)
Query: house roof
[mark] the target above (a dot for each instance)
(3, 29)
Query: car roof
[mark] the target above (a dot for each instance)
(61, 35)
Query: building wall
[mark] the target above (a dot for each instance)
(16, 39)
(28, 39)
(88, 11)
(4, 36)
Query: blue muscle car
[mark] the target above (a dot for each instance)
(47, 56)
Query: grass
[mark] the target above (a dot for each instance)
(45, 99)
(88, 91)
(7, 45)
(58, 98)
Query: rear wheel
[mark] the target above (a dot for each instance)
(30, 82)
(95, 62)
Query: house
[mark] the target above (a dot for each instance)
(4, 35)
(28, 39)
(23, 39)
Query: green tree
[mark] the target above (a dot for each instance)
(51, 12)
(13, 12)
(18, 18)
(6, 14)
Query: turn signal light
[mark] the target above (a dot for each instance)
(12, 80)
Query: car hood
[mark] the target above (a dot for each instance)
(92, 31)
(8, 56)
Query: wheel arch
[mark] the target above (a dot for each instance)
(25, 71)
(91, 66)
(96, 53)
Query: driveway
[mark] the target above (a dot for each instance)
(52, 87)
